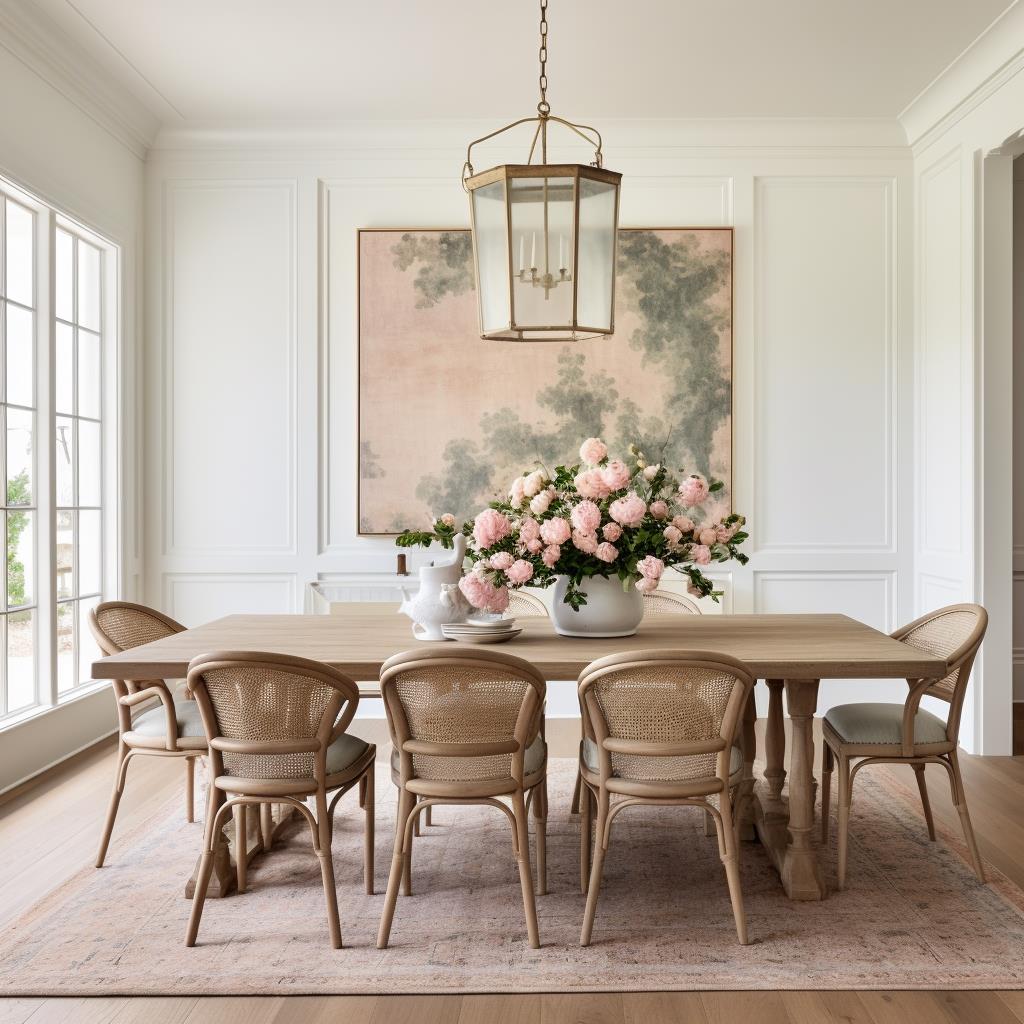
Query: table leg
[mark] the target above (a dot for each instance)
(774, 742)
(748, 743)
(800, 869)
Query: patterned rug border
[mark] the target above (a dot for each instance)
(1007, 890)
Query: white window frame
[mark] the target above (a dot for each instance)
(47, 220)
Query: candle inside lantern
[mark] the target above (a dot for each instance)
(561, 253)
(533, 252)
(522, 252)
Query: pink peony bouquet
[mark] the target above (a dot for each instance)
(602, 517)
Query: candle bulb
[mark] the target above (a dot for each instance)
(533, 252)
(561, 253)
(522, 252)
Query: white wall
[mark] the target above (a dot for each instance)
(52, 147)
(959, 129)
(251, 318)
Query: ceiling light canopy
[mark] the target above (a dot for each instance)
(544, 236)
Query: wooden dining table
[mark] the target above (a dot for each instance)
(790, 653)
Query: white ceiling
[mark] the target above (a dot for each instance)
(263, 60)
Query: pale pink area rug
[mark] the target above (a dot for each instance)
(913, 916)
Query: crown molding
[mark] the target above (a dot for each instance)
(874, 136)
(34, 39)
(995, 57)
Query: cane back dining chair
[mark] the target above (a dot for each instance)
(525, 606)
(667, 602)
(906, 733)
(275, 726)
(660, 728)
(466, 728)
(170, 728)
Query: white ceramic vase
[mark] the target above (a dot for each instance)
(439, 602)
(610, 610)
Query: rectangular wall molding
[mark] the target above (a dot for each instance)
(197, 597)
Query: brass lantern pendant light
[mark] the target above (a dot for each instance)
(544, 236)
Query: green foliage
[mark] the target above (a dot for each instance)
(445, 264)
(18, 493)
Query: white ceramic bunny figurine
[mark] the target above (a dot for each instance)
(439, 601)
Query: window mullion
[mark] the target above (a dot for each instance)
(46, 517)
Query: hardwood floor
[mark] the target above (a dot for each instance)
(49, 831)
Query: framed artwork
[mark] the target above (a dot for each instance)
(447, 420)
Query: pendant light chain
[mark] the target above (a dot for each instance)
(543, 108)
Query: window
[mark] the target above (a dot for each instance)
(54, 379)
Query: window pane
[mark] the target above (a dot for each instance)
(65, 368)
(65, 276)
(88, 463)
(20, 351)
(65, 646)
(65, 545)
(88, 286)
(21, 660)
(20, 559)
(88, 374)
(19, 253)
(19, 457)
(65, 441)
(88, 649)
(89, 553)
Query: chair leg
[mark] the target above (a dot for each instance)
(845, 799)
(960, 800)
(540, 816)
(576, 794)
(367, 799)
(190, 789)
(597, 869)
(731, 861)
(323, 852)
(428, 816)
(240, 813)
(407, 873)
(922, 787)
(406, 801)
(521, 845)
(709, 824)
(212, 836)
(120, 774)
(827, 764)
(416, 829)
(586, 837)
(266, 827)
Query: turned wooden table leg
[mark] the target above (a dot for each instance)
(748, 743)
(800, 869)
(774, 742)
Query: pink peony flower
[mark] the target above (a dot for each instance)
(555, 531)
(586, 517)
(515, 492)
(646, 585)
(585, 542)
(683, 523)
(590, 484)
(489, 527)
(552, 553)
(520, 571)
(593, 450)
(726, 533)
(694, 490)
(672, 534)
(529, 529)
(478, 590)
(533, 483)
(700, 554)
(607, 552)
(612, 531)
(708, 535)
(659, 509)
(650, 567)
(541, 503)
(650, 472)
(535, 545)
(615, 475)
(448, 519)
(628, 511)
(499, 602)
(502, 560)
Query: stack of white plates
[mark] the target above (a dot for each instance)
(494, 631)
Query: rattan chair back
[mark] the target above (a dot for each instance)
(668, 716)
(270, 716)
(462, 715)
(525, 606)
(667, 602)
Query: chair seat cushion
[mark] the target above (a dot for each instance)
(590, 758)
(153, 723)
(882, 724)
(536, 752)
(344, 752)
